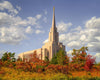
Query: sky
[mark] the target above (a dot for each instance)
(25, 24)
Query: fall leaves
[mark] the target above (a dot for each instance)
(60, 63)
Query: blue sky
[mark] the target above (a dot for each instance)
(25, 24)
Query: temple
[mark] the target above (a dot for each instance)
(50, 48)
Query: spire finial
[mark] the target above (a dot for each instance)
(53, 20)
(53, 8)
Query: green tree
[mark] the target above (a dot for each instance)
(7, 56)
(46, 59)
(61, 56)
(54, 60)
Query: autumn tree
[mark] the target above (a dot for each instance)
(90, 60)
(34, 57)
(8, 56)
(79, 55)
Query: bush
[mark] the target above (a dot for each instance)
(57, 68)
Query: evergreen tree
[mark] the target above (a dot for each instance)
(7, 56)
(54, 60)
(61, 57)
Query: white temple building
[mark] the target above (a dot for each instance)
(50, 48)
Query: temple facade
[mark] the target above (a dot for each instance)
(50, 48)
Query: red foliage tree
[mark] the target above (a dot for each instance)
(90, 60)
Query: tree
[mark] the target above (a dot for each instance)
(66, 60)
(54, 60)
(79, 58)
(7, 56)
(46, 59)
(90, 60)
(79, 55)
(59, 57)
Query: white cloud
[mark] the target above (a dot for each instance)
(45, 41)
(95, 46)
(62, 37)
(70, 52)
(11, 35)
(13, 29)
(93, 23)
(97, 55)
(83, 37)
(29, 30)
(76, 29)
(98, 38)
(87, 36)
(19, 8)
(38, 16)
(5, 5)
(39, 31)
(63, 27)
(89, 45)
(74, 44)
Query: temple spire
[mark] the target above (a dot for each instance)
(53, 20)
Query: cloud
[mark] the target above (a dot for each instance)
(93, 23)
(29, 30)
(70, 52)
(11, 35)
(14, 29)
(18, 7)
(45, 41)
(83, 37)
(38, 16)
(89, 36)
(63, 27)
(97, 55)
(76, 29)
(39, 31)
(5, 5)
(62, 37)
(10, 32)
(74, 44)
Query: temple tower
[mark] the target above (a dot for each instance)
(53, 37)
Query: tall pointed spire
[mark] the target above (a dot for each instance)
(53, 20)
(53, 35)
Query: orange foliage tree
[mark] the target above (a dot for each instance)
(78, 59)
